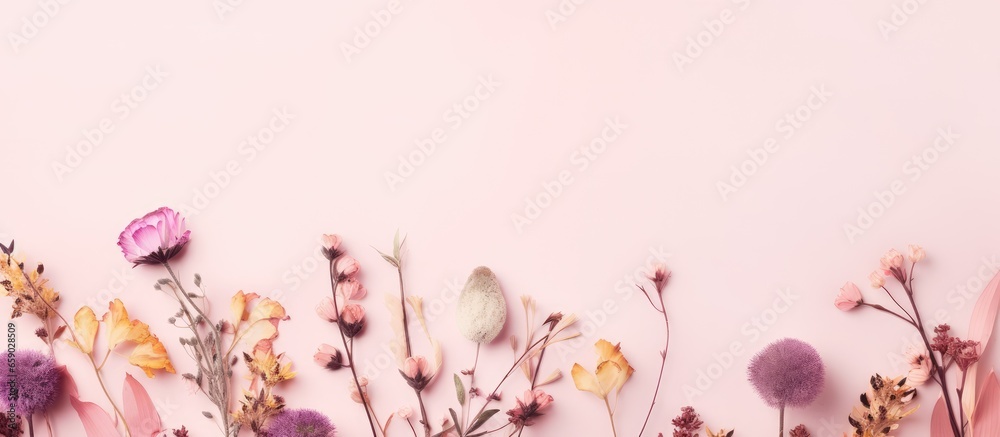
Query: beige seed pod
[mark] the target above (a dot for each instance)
(482, 310)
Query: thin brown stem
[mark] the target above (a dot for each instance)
(423, 414)
(611, 416)
(334, 280)
(663, 365)
(888, 311)
(942, 377)
(961, 405)
(781, 422)
(897, 304)
(517, 363)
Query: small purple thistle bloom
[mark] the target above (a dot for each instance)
(37, 379)
(300, 423)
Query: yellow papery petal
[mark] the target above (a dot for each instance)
(605, 350)
(118, 323)
(585, 381)
(85, 326)
(608, 376)
(151, 355)
(262, 322)
(238, 307)
(138, 332)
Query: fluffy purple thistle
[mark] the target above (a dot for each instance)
(37, 380)
(300, 423)
(788, 372)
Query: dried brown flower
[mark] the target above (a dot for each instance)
(882, 407)
(30, 291)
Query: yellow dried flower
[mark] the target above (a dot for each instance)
(26, 287)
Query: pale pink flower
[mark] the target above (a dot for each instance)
(658, 275)
(353, 313)
(347, 267)
(352, 319)
(351, 289)
(417, 372)
(920, 366)
(328, 357)
(154, 238)
(878, 280)
(326, 310)
(849, 297)
(331, 246)
(356, 393)
(405, 413)
(917, 253)
(526, 411)
(892, 259)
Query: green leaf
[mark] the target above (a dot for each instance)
(481, 420)
(460, 390)
(454, 416)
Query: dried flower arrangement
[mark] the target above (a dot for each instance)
(788, 373)
(957, 411)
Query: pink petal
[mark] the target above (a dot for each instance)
(940, 424)
(96, 421)
(987, 417)
(140, 413)
(984, 316)
(147, 239)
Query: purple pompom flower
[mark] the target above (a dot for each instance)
(36, 378)
(788, 372)
(300, 423)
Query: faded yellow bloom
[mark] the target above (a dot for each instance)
(261, 322)
(121, 329)
(85, 326)
(150, 356)
(613, 370)
(26, 287)
(268, 366)
(238, 307)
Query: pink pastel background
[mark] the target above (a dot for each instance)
(654, 189)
